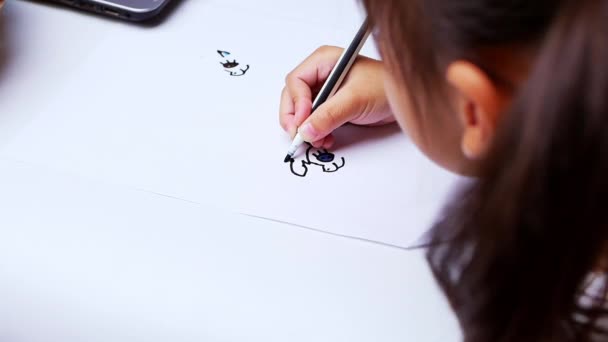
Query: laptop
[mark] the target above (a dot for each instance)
(133, 10)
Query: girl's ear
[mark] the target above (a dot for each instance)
(478, 104)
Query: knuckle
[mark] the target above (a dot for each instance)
(297, 98)
(289, 77)
(327, 50)
(323, 50)
(283, 121)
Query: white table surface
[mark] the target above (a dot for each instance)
(81, 260)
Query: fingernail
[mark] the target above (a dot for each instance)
(309, 133)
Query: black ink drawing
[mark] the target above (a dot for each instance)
(325, 160)
(231, 66)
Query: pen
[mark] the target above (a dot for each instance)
(333, 82)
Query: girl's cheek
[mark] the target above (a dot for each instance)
(403, 110)
(438, 137)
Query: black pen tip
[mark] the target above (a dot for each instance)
(287, 159)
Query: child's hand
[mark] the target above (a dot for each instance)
(360, 100)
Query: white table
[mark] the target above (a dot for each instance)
(81, 260)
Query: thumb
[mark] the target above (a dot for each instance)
(334, 113)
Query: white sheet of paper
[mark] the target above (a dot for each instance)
(156, 110)
(34, 58)
(87, 261)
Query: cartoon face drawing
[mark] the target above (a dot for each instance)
(233, 67)
(327, 161)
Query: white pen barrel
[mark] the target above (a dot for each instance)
(297, 142)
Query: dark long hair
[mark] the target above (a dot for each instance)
(513, 249)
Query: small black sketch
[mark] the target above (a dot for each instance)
(223, 53)
(325, 160)
(231, 66)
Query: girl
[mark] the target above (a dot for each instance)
(514, 92)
